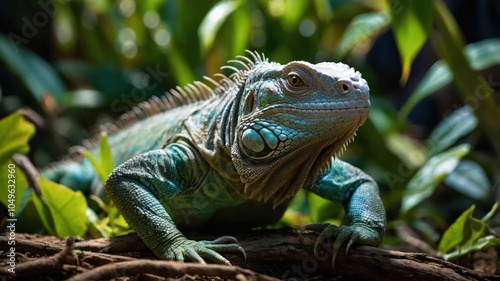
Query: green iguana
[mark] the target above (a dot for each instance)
(234, 154)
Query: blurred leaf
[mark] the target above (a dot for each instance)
(323, 210)
(294, 13)
(415, 18)
(480, 55)
(467, 234)
(427, 178)
(83, 98)
(362, 29)
(479, 245)
(106, 157)
(449, 45)
(491, 213)
(458, 124)
(15, 132)
(469, 179)
(241, 25)
(108, 84)
(64, 213)
(182, 70)
(211, 24)
(38, 76)
(105, 165)
(483, 54)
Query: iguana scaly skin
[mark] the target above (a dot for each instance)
(236, 155)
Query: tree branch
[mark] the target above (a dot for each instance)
(279, 253)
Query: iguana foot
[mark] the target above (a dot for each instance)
(351, 233)
(198, 251)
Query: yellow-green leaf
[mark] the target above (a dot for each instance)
(15, 132)
(106, 157)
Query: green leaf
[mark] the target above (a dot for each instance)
(438, 76)
(449, 45)
(97, 166)
(238, 32)
(363, 28)
(323, 210)
(15, 132)
(458, 124)
(64, 213)
(479, 245)
(293, 13)
(106, 157)
(480, 55)
(213, 21)
(483, 54)
(469, 179)
(467, 234)
(425, 181)
(105, 164)
(37, 74)
(411, 24)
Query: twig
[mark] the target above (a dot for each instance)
(168, 269)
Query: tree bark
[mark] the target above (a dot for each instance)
(282, 254)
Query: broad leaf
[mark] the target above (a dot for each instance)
(37, 74)
(213, 21)
(362, 29)
(458, 124)
(411, 24)
(15, 132)
(480, 55)
(64, 213)
(427, 178)
(467, 234)
(469, 179)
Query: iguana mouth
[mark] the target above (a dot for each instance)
(352, 105)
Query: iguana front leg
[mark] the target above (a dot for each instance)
(137, 187)
(359, 194)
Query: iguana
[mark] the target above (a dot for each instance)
(236, 154)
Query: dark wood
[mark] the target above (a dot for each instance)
(279, 253)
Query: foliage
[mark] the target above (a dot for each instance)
(63, 211)
(468, 234)
(112, 55)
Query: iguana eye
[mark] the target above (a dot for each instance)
(294, 80)
(344, 87)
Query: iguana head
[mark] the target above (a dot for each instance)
(293, 119)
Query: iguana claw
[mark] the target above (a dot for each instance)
(351, 233)
(198, 251)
